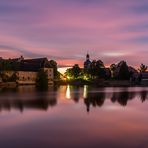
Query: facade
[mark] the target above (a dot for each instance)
(27, 70)
(27, 77)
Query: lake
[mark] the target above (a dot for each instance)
(74, 117)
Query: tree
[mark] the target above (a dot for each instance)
(6, 65)
(142, 68)
(42, 80)
(69, 73)
(74, 72)
(123, 71)
(53, 64)
(100, 69)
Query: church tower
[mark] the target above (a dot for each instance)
(87, 63)
(87, 56)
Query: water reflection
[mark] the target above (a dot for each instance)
(96, 98)
(122, 97)
(85, 92)
(68, 95)
(117, 117)
(27, 97)
(144, 95)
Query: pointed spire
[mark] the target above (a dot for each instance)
(87, 56)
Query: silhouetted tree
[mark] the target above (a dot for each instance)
(42, 80)
(101, 73)
(142, 68)
(76, 71)
(123, 71)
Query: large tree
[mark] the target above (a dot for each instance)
(123, 73)
(100, 69)
(74, 72)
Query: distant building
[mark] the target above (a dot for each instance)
(87, 63)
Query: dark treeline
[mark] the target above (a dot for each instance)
(97, 70)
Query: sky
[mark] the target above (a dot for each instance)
(65, 30)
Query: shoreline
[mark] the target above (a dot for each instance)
(101, 83)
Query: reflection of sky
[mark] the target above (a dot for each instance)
(68, 125)
(65, 30)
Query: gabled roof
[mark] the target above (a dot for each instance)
(40, 61)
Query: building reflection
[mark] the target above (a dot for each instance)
(32, 100)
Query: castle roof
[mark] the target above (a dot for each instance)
(34, 64)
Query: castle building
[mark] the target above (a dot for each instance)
(27, 70)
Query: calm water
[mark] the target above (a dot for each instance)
(73, 117)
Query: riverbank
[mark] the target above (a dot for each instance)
(99, 83)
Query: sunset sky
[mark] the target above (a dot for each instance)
(65, 30)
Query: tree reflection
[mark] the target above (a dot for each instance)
(76, 94)
(28, 97)
(72, 92)
(95, 99)
(122, 97)
(143, 95)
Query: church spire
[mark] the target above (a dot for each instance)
(87, 56)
